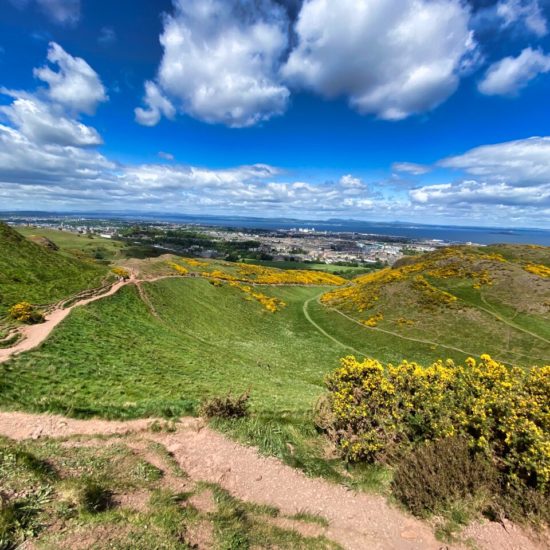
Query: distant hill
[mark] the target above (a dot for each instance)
(478, 299)
(34, 272)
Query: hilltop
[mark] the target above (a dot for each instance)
(33, 272)
(478, 299)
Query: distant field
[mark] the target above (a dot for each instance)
(97, 248)
(345, 270)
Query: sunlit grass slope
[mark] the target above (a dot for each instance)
(82, 246)
(34, 273)
(492, 300)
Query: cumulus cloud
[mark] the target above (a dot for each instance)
(521, 162)
(350, 182)
(509, 183)
(75, 84)
(509, 75)
(410, 168)
(157, 105)
(44, 124)
(220, 61)
(472, 191)
(526, 12)
(391, 58)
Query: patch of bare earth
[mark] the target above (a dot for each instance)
(355, 520)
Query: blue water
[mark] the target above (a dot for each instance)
(446, 233)
(451, 234)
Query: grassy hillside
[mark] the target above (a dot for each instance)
(37, 274)
(492, 300)
(73, 244)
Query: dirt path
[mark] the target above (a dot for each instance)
(357, 521)
(506, 321)
(322, 330)
(33, 335)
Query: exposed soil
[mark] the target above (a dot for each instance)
(33, 335)
(356, 520)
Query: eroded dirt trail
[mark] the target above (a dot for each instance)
(357, 521)
(33, 335)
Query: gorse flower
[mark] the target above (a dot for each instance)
(503, 411)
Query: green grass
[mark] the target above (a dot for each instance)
(82, 246)
(114, 359)
(33, 273)
(343, 270)
(508, 319)
(57, 493)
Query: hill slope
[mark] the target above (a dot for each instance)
(37, 274)
(483, 300)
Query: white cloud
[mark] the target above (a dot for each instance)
(44, 124)
(165, 156)
(392, 58)
(410, 168)
(527, 12)
(509, 75)
(472, 191)
(75, 84)
(220, 61)
(522, 162)
(65, 12)
(107, 36)
(350, 182)
(157, 106)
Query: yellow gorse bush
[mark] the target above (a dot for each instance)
(268, 276)
(25, 313)
(503, 411)
(446, 263)
(179, 268)
(121, 272)
(194, 263)
(538, 269)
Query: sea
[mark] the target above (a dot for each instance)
(412, 231)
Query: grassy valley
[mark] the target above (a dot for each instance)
(189, 330)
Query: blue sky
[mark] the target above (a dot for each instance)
(433, 111)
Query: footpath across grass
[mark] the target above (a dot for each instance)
(115, 359)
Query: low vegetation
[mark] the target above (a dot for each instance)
(454, 430)
(36, 274)
(26, 313)
(492, 300)
(227, 407)
(105, 493)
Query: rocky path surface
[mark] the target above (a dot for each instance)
(357, 521)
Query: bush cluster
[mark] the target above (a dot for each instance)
(382, 412)
(26, 313)
(121, 272)
(440, 473)
(227, 406)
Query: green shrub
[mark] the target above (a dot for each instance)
(26, 313)
(437, 474)
(385, 413)
(226, 407)
(95, 498)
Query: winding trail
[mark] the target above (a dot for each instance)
(322, 330)
(507, 321)
(33, 335)
(357, 521)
